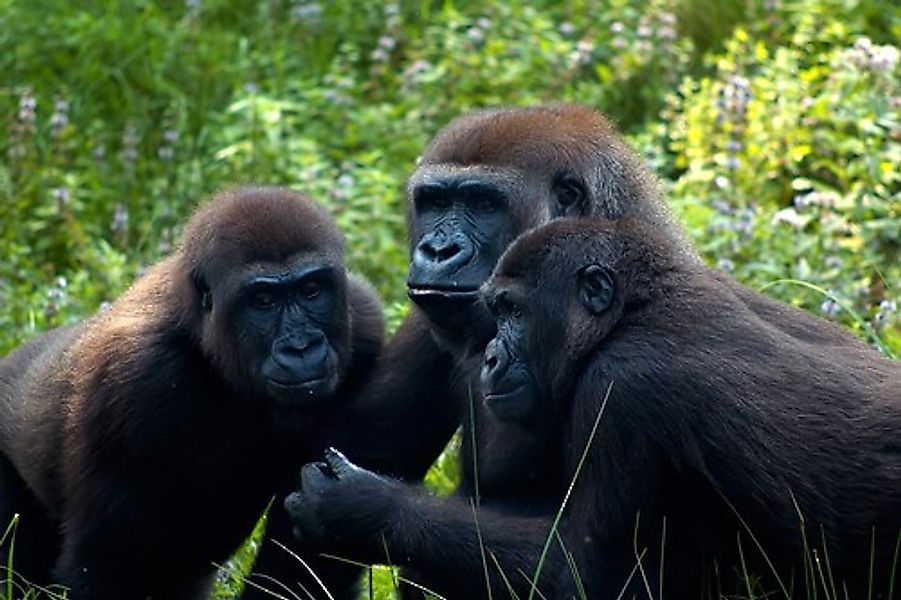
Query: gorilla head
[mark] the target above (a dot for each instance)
(491, 175)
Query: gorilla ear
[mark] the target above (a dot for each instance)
(203, 292)
(595, 288)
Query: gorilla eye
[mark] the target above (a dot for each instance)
(442, 202)
(262, 300)
(486, 204)
(435, 201)
(503, 306)
(569, 193)
(310, 290)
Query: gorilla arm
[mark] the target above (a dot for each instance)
(448, 541)
(405, 409)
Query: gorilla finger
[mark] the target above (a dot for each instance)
(313, 475)
(339, 464)
(293, 503)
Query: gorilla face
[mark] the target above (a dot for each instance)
(462, 225)
(288, 331)
(549, 306)
(462, 220)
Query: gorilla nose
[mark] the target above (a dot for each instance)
(442, 252)
(494, 363)
(289, 353)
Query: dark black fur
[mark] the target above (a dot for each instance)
(542, 153)
(713, 413)
(141, 446)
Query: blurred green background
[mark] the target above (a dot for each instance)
(773, 124)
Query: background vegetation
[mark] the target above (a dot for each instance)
(774, 125)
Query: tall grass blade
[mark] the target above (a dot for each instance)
(559, 515)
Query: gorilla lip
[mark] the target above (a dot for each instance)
(311, 386)
(503, 394)
(503, 397)
(462, 292)
(507, 405)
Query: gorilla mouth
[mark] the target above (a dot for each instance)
(509, 404)
(300, 392)
(503, 395)
(461, 292)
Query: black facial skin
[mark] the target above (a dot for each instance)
(462, 221)
(511, 389)
(464, 225)
(283, 321)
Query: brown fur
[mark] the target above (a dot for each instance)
(132, 445)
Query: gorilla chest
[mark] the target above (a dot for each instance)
(220, 484)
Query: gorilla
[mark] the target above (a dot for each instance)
(484, 180)
(691, 442)
(140, 446)
(720, 434)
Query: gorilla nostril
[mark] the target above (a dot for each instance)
(491, 362)
(448, 251)
(440, 252)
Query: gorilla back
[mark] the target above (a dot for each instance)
(140, 446)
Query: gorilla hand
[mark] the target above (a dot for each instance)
(342, 505)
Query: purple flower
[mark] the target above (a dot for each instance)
(61, 195)
(308, 13)
(722, 207)
(830, 307)
(666, 33)
(28, 107)
(120, 219)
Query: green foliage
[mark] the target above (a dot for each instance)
(773, 124)
(785, 163)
